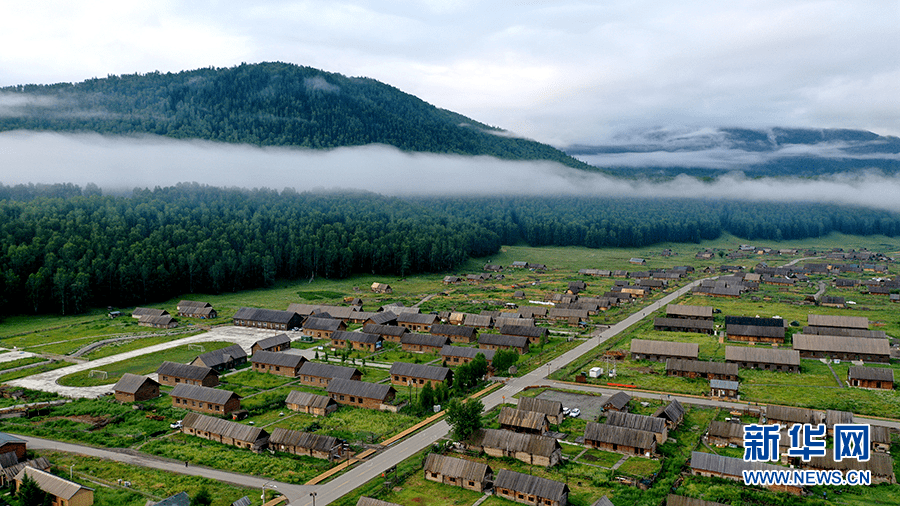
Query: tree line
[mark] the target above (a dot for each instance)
(64, 249)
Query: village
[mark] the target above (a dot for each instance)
(652, 409)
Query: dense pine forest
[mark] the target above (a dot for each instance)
(65, 248)
(267, 104)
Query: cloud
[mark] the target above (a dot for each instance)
(117, 164)
(15, 104)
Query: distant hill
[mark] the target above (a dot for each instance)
(269, 104)
(801, 152)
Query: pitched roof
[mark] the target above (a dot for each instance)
(429, 372)
(755, 331)
(425, 340)
(762, 355)
(300, 439)
(156, 320)
(383, 317)
(502, 340)
(148, 311)
(618, 400)
(199, 393)
(522, 418)
(273, 341)
(841, 344)
(222, 427)
(357, 337)
(606, 433)
(548, 407)
(321, 370)
(221, 357)
(417, 318)
(9, 473)
(465, 352)
(327, 324)
(475, 320)
(726, 430)
(670, 348)
(639, 422)
(532, 485)
(754, 321)
(794, 415)
(9, 438)
(359, 388)
(728, 466)
(685, 310)
(701, 366)
(680, 500)
(880, 464)
(827, 320)
(514, 442)
(52, 484)
(454, 330)
(385, 330)
(684, 323)
(724, 384)
(264, 315)
(871, 373)
(523, 330)
(131, 383)
(458, 468)
(179, 499)
(301, 398)
(186, 371)
(192, 303)
(673, 411)
(603, 501)
(277, 358)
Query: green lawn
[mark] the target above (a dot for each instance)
(639, 466)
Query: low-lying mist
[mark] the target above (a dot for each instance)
(119, 164)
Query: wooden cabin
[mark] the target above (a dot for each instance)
(457, 355)
(266, 318)
(360, 393)
(879, 378)
(619, 439)
(134, 388)
(520, 420)
(767, 359)
(172, 373)
(61, 492)
(457, 472)
(204, 399)
(296, 442)
(503, 342)
(317, 374)
(404, 373)
(529, 448)
(279, 364)
(456, 333)
(275, 343)
(531, 490)
(311, 404)
(225, 431)
(423, 343)
(660, 351)
(222, 359)
(553, 409)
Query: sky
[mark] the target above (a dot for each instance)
(560, 72)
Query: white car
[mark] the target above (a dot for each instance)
(176, 425)
(566, 411)
(575, 412)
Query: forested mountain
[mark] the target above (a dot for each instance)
(63, 248)
(762, 152)
(271, 104)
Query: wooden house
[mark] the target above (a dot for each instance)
(842, 347)
(61, 492)
(360, 393)
(619, 439)
(529, 448)
(8, 471)
(205, 399)
(140, 312)
(683, 325)
(317, 374)
(532, 312)
(279, 364)
(278, 342)
(172, 373)
(660, 351)
(767, 359)
(457, 472)
(382, 318)
(871, 377)
(570, 316)
(404, 374)
(381, 288)
(456, 333)
(222, 359)
(725, 434)
(730, 468)
(416, 322)
(881, 466)
(158, 322)
(511, 319)
(196, 309)
(652, 424)
(680, 500)
(755, 330)
(134, 388)
(312, 404)
(553, 409)
(723, 389)
(701, 369)
(503, 342)
(357, 340)
(452, 280)
(266, 318)
(322, 328)
(423, 343)
(457, 355)
(787, 416)
(532, 490)
(392, 333)
(603, 501)
(296, 442)
(834, 321)
(478, 321)
(672, 413)
(834, 416)
(616, 402)
(14, 445)
(689, 312)
(520, 420)
(225, 431)
(535, 335)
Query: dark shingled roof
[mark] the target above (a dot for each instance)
(276, 358)
(301, 398)
(417, 319)
(673, 411)
(680, 500)
(326, 324)
(300, 439)
(755, 331)
(186, 371)
(871, 373)
(841, 344)
(327, 370)
(729, 466)
(684, 323)
(551, 408)
(425, 340)
(694, 311)
(429, 372)
(271, 342)
(385, 330)
(880, 464)
(264, 315)
(205, 394)
(638, 422)
(130, 383)
(603, 501)
(222, 356)
(606, 433)
(502, 340)
(827, 320)
(148, 311)
(459, 468)
(514, 442)
(464, 352)
(384, 317)
(793, 415)
(522, 330)
(618, 400)
(453, 330)
(701, 366)
(225, 428)
(532, 485)
(754, 321)
(726, 430)
(532, 420)
(651, 347)
(356, 337)
(359, 388)
(762, 355)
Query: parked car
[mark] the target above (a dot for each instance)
(575, 412)
(176, 425)
(566, 411)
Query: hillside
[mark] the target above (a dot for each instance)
(804, 152)
(267, 104)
